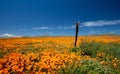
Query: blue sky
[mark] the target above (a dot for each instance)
(58, 17)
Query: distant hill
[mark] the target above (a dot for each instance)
(105, 34)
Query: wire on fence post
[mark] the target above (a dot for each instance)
(76, 34)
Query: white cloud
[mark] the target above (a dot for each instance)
(58, 27)
(66, 27)
(42, 28)
(101, 23)
(71, 27)
(9, 35)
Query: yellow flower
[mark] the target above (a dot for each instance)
(20, 69)
(114, 64)
(102, 62)
(5, 70)
(29, 67)
(3, 61)
(15, 67)
(0, 66)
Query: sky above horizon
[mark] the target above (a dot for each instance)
(58, 17)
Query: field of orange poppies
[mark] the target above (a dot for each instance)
(57, 55)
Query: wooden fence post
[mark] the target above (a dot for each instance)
(76, 34)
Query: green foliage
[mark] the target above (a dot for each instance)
(92, 48)
(89, 48)
(113, 49)
(87, 67)
(2, 53)
(76, 49)
(110, 51)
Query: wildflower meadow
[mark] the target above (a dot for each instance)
(57, 55)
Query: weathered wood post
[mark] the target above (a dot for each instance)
(76, 34)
